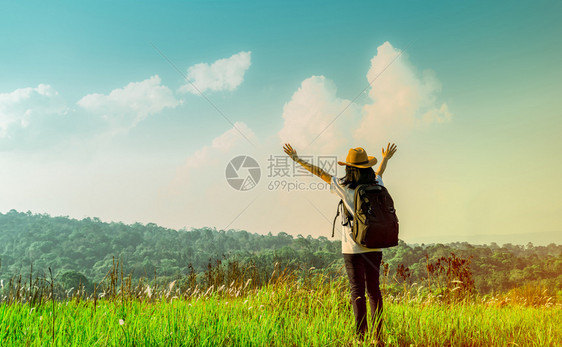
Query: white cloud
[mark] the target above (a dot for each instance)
(438, 115)
(401, 98)
(212, 155)
(25, 106)
(124, 107)
(309, 113)
(223, 74)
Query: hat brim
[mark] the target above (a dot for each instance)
(372, 162)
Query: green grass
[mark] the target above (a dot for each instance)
(288, 313)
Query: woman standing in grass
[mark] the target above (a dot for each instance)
(362, 264)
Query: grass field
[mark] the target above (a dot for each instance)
(289, 312)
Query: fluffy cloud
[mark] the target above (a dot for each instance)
(201, 181)
(223, 74)
(220, 144)
(25, 106)
(124, 107)
(437, 115)
(309, 113)
(399, 100)
(211, 155)
(401, 97)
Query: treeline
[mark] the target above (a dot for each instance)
(86, 249)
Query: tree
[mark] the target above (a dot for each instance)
(74, 279)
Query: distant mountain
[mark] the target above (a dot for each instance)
(89, 247)
(537, 239)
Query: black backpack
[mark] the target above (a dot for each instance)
(375, 224)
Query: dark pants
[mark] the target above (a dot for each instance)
(363, 270)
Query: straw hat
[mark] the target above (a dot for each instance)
(357, 157)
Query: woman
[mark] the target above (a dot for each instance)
(362, 264)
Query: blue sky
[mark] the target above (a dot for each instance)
(95, 122)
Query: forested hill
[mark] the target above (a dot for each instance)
(89, 246)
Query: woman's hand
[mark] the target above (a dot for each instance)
(291, 152)
(386, 154)
(315, 170)
(390, 150)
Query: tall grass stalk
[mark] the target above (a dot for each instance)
(277, 309)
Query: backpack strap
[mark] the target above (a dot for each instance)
(336, 217)
(346, 216)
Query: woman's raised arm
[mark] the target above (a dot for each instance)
(390, 150)
(314, 169)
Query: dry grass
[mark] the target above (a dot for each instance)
(234, 305)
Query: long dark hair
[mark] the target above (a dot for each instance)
(355, 176)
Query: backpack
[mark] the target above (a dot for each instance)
(375, 224)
